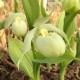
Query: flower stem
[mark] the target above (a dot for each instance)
(63, 67)
(36, 66)
(37, 76)
(62, 72)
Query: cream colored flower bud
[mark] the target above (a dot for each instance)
(51, 45)
(19, 27)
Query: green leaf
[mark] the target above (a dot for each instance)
(60, 22)
(73, 45)
(39, 55)
(16, 5)
(31, 8)
(28, 11)
(78, 45)
(27, 41)
(68, 20)
(59, 31)
(2, 25)
(41, 21)
(43, 11)
(35, 8)
(12, 17)
(16, 53)
(68, 56)
(72, 27)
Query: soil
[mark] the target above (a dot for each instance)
(9, 71)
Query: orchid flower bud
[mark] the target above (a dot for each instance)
(71, 5)
(19, 27)
(1, 4)
(50, 44)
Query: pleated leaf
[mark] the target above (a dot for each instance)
(16, 53)
(60, 22)
(31, 8)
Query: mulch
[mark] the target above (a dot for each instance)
(9, 71)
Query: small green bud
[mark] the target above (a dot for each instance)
(71, 5)
(1, 4)
(51, 45)
(19, 27)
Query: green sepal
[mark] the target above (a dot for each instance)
(28, 39)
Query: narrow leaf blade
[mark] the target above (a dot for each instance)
(43, 11)
(78, 45)
(72, 27)
(28, 11)
(16, 5)
(68, 20)
(60, 22)
(35, 8)
(31, 8)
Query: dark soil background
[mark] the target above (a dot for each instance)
(9, 71)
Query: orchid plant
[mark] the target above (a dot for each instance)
(42, 42)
